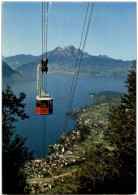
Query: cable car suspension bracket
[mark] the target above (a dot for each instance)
(44, 67)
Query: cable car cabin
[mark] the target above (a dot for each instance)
(44, 105)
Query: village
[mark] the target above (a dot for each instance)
(42, 172)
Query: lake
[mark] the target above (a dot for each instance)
(58, 86)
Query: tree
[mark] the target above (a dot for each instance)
(14, 152)
(97, 174)
(111, 168)
(121, 134)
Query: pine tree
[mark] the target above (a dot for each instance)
(112, 168)
(121, 135)
(98, 173)
(14, 152)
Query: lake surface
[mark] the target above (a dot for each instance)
(59, 88)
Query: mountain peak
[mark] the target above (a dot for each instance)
(70, 50)
(69, 47)
(57, 48)
(65, 51)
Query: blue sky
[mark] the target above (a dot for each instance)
(112, 31)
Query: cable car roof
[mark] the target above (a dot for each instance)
(43, 98)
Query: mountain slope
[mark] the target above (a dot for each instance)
(6, 70)
(16, 61)
(9, 74)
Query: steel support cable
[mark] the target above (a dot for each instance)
(46, 42)
(81, 58)
(77, 74)
(43, 121)
(57, 89)
(42, 30)
(42, 81)
(44, 117)
(64, 23)
(44, 135)
(42, 38)
(65, 120)
(46, 28)
(44, 33)
(45, 82)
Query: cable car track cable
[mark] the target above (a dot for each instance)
(64, 125)
(42, 30)
(64, 23)
(81, 58)
(77, 69)
(44, 135)
(46, 28)
(65, 121)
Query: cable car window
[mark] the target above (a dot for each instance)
(51, 103)
(44, 104)
(37, 103)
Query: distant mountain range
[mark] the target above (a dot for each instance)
(63, 60)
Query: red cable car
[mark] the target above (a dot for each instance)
(44, 102)
(44, 105)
